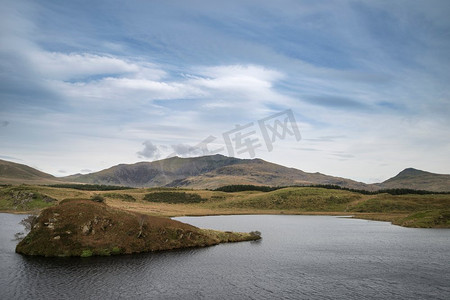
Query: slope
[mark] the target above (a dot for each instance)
(419, 180)
(157, 173)
(209, 172)
(260, 172)
(14, 173)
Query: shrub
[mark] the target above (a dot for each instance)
(116, 250)
(86, 253)
(98, 198)
(173, 197)
(123, 197)
(246, 187)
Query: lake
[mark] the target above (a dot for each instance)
(299, 257)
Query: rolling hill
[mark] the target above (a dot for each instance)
(411, 178)
(14, 173)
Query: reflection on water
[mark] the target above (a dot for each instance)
(298, 257)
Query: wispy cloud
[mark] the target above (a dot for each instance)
(336, 102)
(185, 150)
(366, 80)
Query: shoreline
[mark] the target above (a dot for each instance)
(409, 210)
(379, 217)
(86, 228)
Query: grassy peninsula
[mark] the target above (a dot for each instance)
(85, 228)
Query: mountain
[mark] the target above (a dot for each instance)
(215, 171)
(14, 173)
(260, 172)
(157, 173)
(208, 172)
(418, 180)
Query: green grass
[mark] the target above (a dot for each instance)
(301, 199)
(23, 198)
(116, 250)
(245, 187)
(385, 203)
(86, 253)
(295, 200)
(173, 197)
(426, 219)
(123, 197)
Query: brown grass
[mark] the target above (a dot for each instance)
(404, 210)
(85, 227)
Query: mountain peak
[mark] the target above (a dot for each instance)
(210, 171)
(411, 178)
(411, 172)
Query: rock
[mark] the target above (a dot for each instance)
(86, 229)
(48, 199)
(57, 237)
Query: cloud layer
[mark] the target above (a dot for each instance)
(87, 88)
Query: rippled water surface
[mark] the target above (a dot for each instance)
(300, 257)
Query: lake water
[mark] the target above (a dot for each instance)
(300, 257)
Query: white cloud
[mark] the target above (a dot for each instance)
(238, 80)
(126, 89)
(150, 151)
(185, 150)
(172, 79)
(61, 66)
(249, 86)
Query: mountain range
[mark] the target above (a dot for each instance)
(215, 171)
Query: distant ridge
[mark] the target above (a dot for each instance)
(210, 172)
(411, 178)
(156, 173)
(15, 173)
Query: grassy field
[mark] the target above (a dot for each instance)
(431, 210)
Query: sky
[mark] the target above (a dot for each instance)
(357, 89)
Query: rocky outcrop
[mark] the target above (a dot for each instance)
(85, 228)
(22, 198)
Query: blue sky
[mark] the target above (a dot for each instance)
(89, 84)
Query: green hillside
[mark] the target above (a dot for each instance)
(413, 210)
